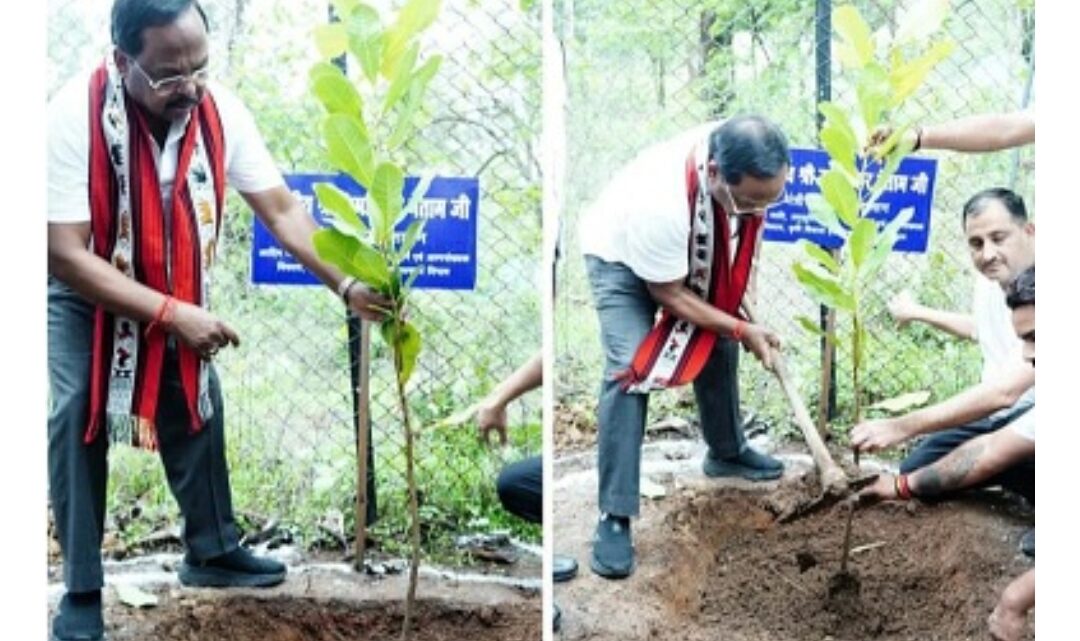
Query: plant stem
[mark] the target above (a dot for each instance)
(410, 478)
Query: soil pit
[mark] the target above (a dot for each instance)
(246, 618)
(720, 564)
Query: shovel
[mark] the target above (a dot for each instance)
(835, 485)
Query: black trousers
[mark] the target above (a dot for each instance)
(521, 489)
(194, 463)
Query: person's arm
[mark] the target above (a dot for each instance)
(904, 309)
(492, 412)
(677, 298)
(1008, 621)
(986, 132)
(973, 462)
(288, 221)
(71, 261)
(973, 403)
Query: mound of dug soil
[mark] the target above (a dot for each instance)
(916, 573)
(297, 619)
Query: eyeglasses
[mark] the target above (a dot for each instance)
(755, 209)
(172, 83)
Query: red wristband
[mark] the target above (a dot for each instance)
(903, 487)
(737, 333)
(164, 315)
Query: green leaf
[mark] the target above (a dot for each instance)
(906, 79)
(405, 124)
(821, 255)
(873, 92)
(841, 148)
(824, 214)
(892, 163)
(343, 7)
(348, 147)
(337, 202)
(921, 20)
(862, 240)
(386, 191)
(412, 234)
(334, 90)
(885, 241)
(330, 40)
(403, 78)
(810, 325)
(824, 289)
(412, 277)
(840, 195)
(418, 15)
(838, 138)
(406, 346)
(902, 403)
(353, 257)
(851, 27)
(423, 77)
(365, 39)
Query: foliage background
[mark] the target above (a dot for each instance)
(638, 71)
(289, 416)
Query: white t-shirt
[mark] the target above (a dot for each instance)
(641, 218)
(249, 168)
(1001, 347)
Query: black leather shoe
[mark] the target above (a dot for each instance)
(79, 618)
(750, 465)
(556, 619)
(613, 551)
(563, 568)
(236, 569)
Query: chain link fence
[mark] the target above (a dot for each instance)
(640, 71)
(289, 412)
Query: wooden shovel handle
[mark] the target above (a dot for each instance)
(833, 479)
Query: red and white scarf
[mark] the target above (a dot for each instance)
(171, 252)
(675, 350)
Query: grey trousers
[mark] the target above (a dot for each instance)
(627, 312)
(194, 463)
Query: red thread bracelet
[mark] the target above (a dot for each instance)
(903, 487)
(164, 316)
(737, 333)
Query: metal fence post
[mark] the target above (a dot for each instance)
(823, 81)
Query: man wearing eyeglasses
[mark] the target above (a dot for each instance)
(677, 231)
(139, 156)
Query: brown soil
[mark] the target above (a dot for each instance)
(720, 563)
(291, 619)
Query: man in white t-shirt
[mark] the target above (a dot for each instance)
(981, 459)
(138, 157)
(676, 231)
(1001, 241)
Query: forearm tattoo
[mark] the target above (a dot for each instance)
(951, 472)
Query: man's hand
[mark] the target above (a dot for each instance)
(201, 330)
(875, 146)
(882, 489)
(1006, 623)
(903, 308)
(878, 434)
(491, 418)
(368, 304)
(761, 341)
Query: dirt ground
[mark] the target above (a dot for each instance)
(319, 602)
(713, 562)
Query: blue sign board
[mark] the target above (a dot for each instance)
(445, 252)
(911, 186)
